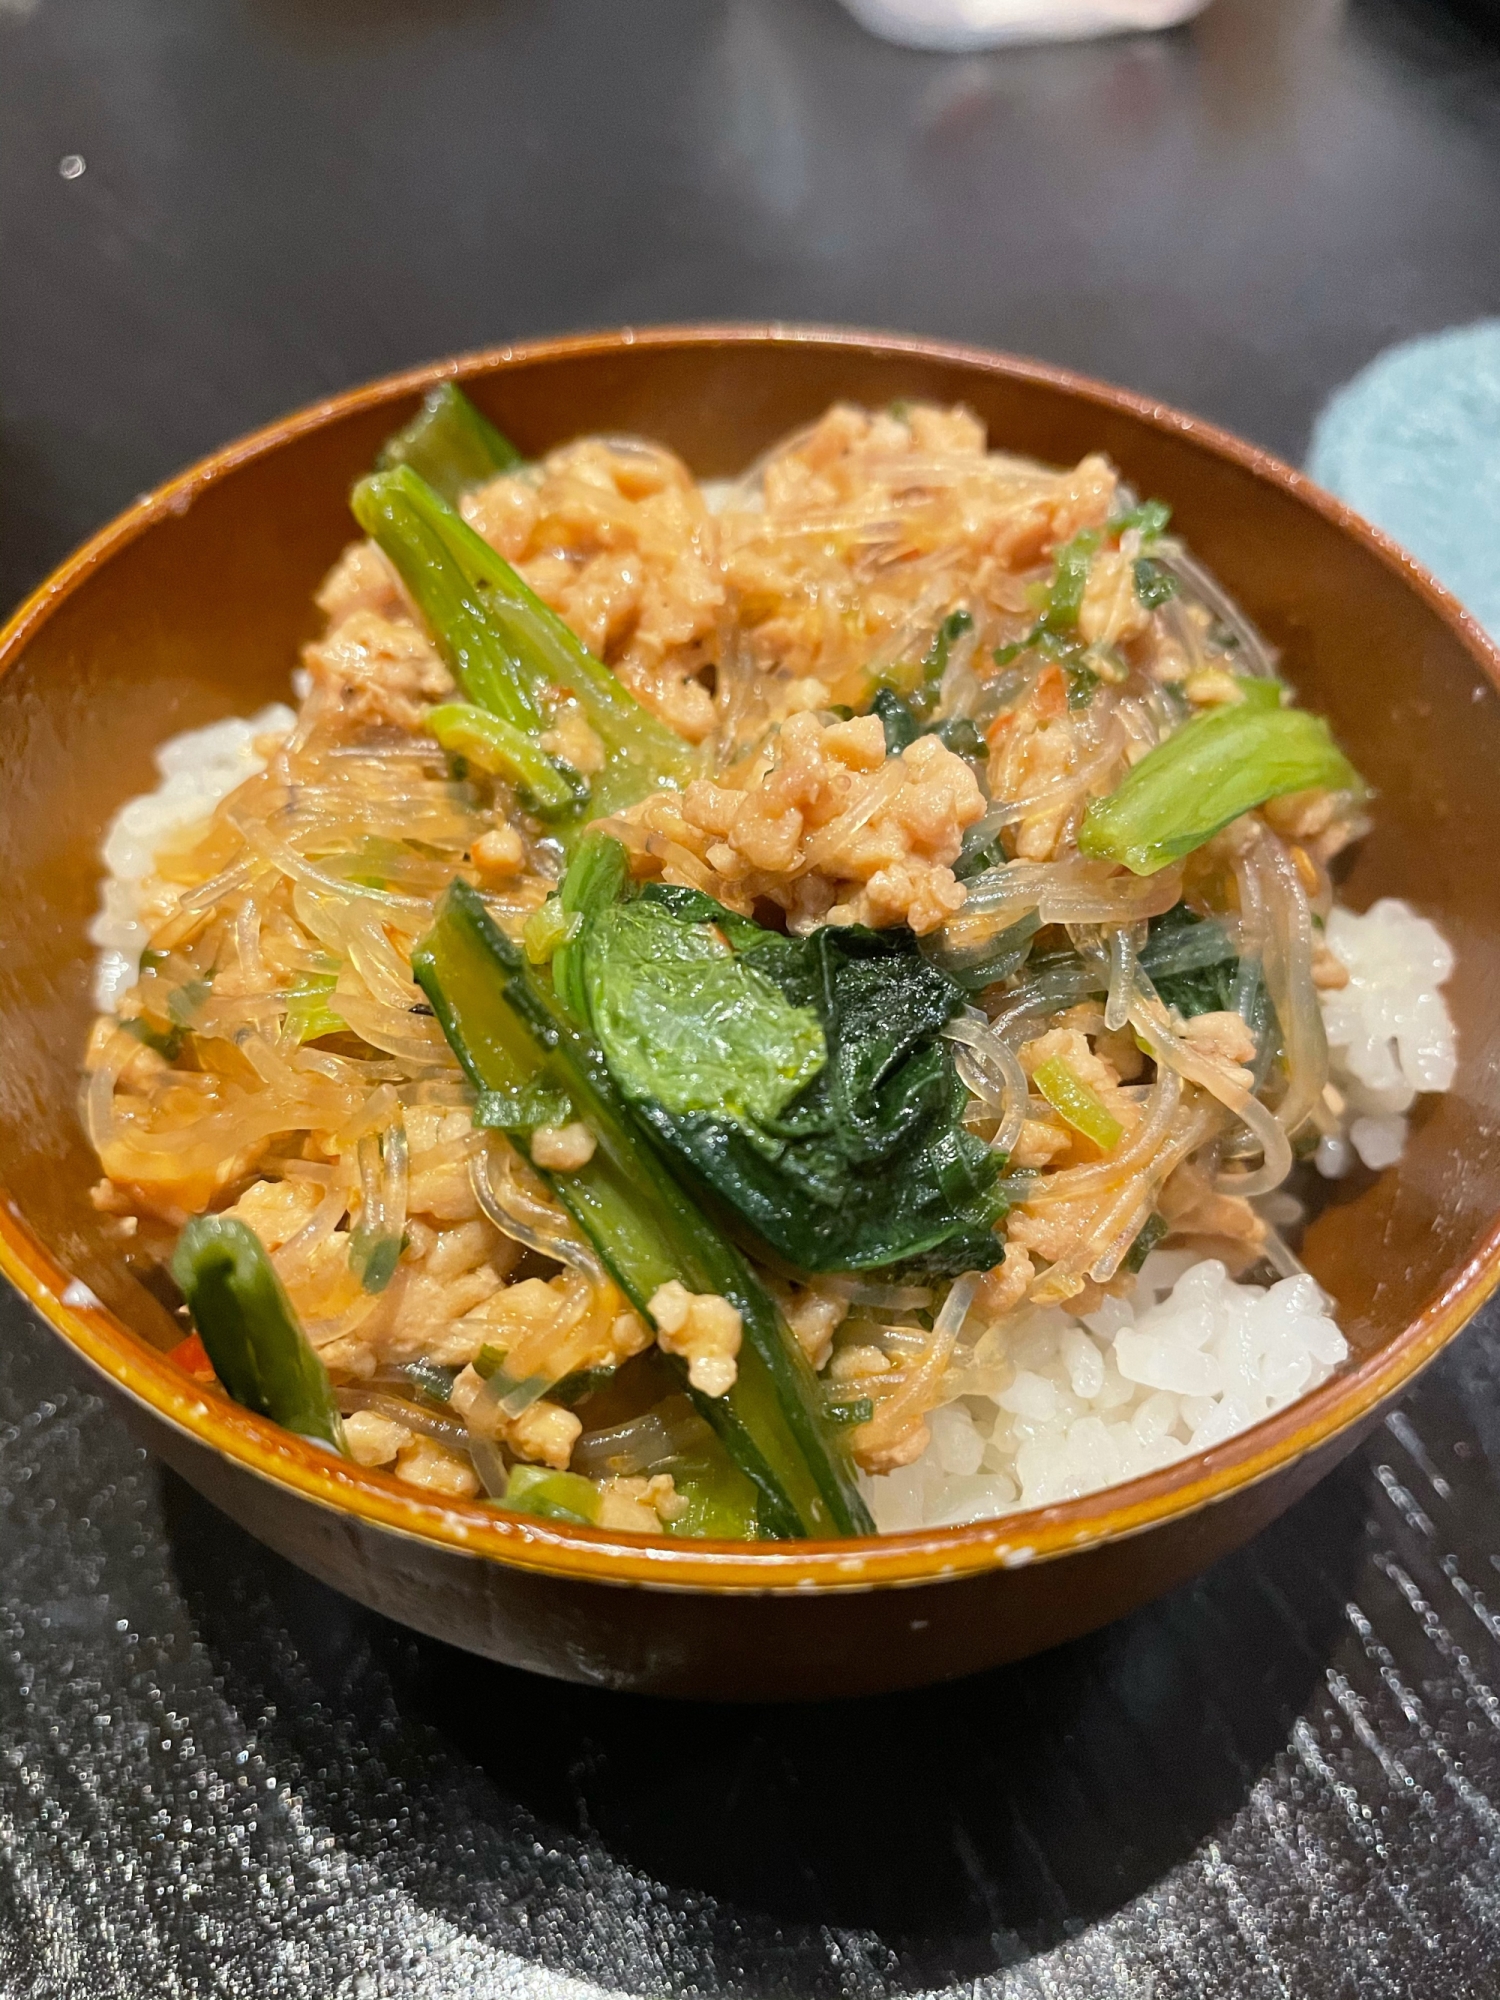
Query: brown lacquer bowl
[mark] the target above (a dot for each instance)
(191, 606)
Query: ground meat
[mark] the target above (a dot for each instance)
(1224, 1035)
(378, 670)
(373, 1439)
(1032, 746)
(426, 1463)
(617, 539)
(1003, 1289)
(564, 1148)
(544, 1433)
(362, 580)
(499, 854)
(1300, 815)
(1193, 1207)
(923, 519)
(1038, 1144)
(704, 1329)
(1329, 972)
(889, 1456)
(1111, 612)
(814, 1312)
(639, 1506)
(1050, 1229)
(825, 825)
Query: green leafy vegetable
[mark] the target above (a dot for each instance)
(900, 724)
(511, 655)
(1190, 962)
(1153, 584)
(373, 1259)
(183, 1002)
(246, 1323)
(450, 444)
(935, 665)
(578, 1387)
(865, 1162)
(1194, 969)
(309, 1016)
(167, 1042)
(1069, 581)
(686, 1020)
(921, 685)
(1006, 952)
(1151, 1232)
(1082, 682)
(512, 1034)
(852, 1410)
(430, 1380)
(1206, 774)
(961, 735)
(1150, 518)
(1055, 633)
(903, 726)
(719, 1499)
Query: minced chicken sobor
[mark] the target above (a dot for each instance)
(830, 1050)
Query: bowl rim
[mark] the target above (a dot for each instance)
(378, 1500)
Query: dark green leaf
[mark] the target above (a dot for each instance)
(900, 725)
(167, 1042)
(1082, 682)
(1152, 1230)
(1153, 584)
(866, 1164)
(961, 737)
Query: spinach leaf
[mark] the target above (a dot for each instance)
(863, 1160)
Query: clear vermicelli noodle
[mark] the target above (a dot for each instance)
(753, 1010)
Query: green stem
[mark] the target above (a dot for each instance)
(392, 508)
(450, 444)
(246, 1322)
(509, 653)
(496, 745)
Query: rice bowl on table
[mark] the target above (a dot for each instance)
(757, 1009)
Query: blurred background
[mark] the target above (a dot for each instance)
(216, 1777)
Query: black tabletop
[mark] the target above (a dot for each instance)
(218, 1777)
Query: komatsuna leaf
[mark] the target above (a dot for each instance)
(869, 1162)
(687, 1021)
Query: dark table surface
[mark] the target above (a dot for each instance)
(217, 1777)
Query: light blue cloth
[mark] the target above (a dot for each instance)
(1413, 444)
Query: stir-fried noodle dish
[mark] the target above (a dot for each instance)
(748, 1010)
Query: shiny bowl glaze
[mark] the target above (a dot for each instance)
(191, 606)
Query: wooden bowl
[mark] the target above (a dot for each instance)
(191, 606)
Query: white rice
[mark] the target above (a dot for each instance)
(1088, 1402)
(1390, 1035)
(198, 768)
(1193, 1358)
